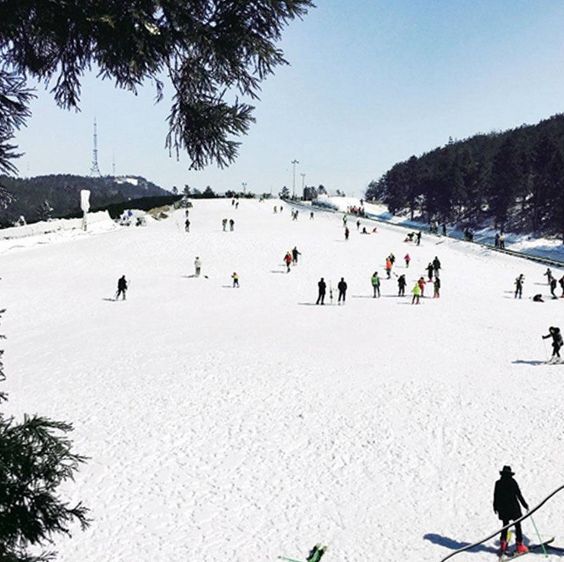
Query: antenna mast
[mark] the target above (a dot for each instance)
(94, 169)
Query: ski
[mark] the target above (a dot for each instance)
(532, 548)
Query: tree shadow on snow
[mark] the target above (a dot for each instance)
(453, 544)
(530, 362)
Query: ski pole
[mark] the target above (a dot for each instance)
(538, 535)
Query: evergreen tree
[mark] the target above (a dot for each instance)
(504, 180)
(206, 47)
(285, 193)
(35, 459)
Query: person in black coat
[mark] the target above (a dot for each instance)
(401, 285)
(342, 286)
(507, 505)
(321, 287)
(557, 342)
(122, 287)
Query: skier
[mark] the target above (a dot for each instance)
(436, 265)
(232, 223)
(416, 291)
(197, 266)
(235, 278)
(430, 270)
(321, 288)
(375, 284)
(507, 497)
(342, 286)
(288, 261)
(401, 285)
(554, 333)
(553, 283)
(224, 224)
(187, 225)
(345, 219)
(388, 268)
(421, 284)
(519, 286)
(419, 238)
(548, 275)
(347, 232)
(295, 254)
(186, 212)
(436, 288)
(122, 287)
(407, 259)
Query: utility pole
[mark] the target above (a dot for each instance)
(294, 162)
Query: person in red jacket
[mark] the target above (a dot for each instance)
(421, 284)
(407, 259)
(288, 261)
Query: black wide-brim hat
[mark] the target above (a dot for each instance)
(506, 470)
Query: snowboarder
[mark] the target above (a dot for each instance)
(416, 291)
(507, 497)
(342, 286)
(430, 270)
(224, 224)
(519, 286)
(197, 266)
(321, 288)
(295, 254)
(187, 225)
(407, 259)
(401, 285)
(375, 284)
(121, 288)
(436, 288)
(232, 224)
(347, 232)
(555, 334)
(235, 278)
(288, 261)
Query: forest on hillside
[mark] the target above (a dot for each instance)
(53, 196)
(512, 180)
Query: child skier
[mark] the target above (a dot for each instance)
(507, 497)
(555, 334)
(421, 284)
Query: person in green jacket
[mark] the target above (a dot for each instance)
(376, 284)
(416, 291)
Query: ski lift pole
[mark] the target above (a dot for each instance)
(539, 537)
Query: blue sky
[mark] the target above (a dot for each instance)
(369, 84)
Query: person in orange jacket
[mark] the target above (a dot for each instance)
(388, 267)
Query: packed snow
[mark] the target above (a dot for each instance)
(244, 424)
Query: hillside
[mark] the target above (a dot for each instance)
(512, 180)
(27, 196)
(243, 424)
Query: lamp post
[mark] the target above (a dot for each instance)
(294, 162)
(303, 183)
(244, 184)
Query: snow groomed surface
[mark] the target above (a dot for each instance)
(240, 424)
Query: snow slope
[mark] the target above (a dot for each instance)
(240, 424)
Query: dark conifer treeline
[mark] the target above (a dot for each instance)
(514, 178)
